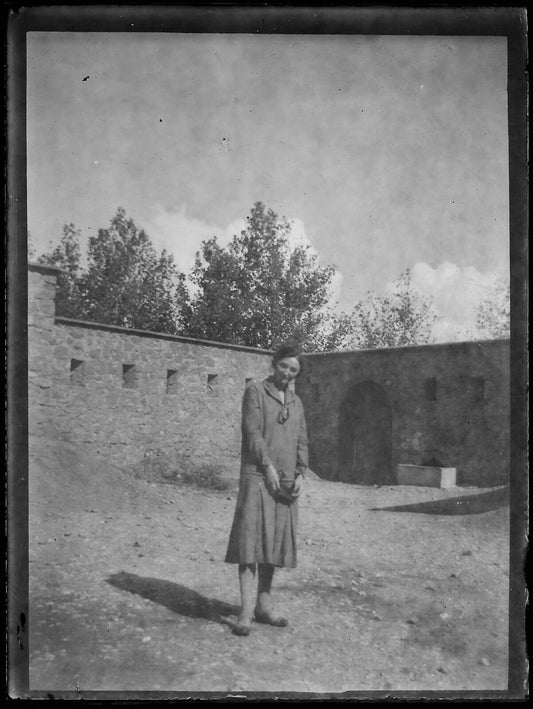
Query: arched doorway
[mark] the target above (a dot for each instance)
(365, 436)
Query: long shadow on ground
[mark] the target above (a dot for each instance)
(465, 505)
(174, 596)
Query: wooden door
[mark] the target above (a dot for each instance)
(365, 440)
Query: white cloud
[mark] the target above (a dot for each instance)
(181, 235)
(445, 330)
(456, 294)
(298, 237)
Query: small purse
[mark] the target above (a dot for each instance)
(286, 492)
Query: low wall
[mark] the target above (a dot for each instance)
(130, 394)
(449, 406)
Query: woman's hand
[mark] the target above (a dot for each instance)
(298, 485)
(271, 479)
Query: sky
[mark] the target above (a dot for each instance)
(385, 152)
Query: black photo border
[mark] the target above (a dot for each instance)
(510, 22)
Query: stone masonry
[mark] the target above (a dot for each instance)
(448, 406)
(130, 394)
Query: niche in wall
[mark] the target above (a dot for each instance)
(77, 372)
(213, 383)
(172, 381)
(129, 376)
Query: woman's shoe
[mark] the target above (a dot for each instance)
(265, 619)
(241, 630)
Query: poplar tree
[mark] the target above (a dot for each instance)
(260, 290)
(126, 282)
(402, 318)
(493, 319)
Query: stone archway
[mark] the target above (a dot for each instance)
(365, 436)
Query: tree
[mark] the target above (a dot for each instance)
(67, 256)
(404, 318)
(493, 319)
(259, 291)
(126, 282)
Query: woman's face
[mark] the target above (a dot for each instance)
(285, 370)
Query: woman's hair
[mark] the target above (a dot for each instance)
(288, 350)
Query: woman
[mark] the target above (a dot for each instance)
(273, 458)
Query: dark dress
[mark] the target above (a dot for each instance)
(264, 530)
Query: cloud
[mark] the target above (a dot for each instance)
(445, 330)
(181, 235)
(298, 237)
(457, 293)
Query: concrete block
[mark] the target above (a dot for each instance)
(426, 476)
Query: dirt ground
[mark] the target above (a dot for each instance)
(129, 591)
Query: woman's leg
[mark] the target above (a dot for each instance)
(247, 587)
(263, 608)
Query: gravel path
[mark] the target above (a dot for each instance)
(129, 591)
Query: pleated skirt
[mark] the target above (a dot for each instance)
(263, 530)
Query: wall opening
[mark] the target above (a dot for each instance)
(77, 372)
(129, 376)
(365, 436)
(172, 381)
(430, 389)
(213, 382)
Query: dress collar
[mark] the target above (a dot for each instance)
(271, 389)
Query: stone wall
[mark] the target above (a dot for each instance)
(448, 405)
(130, 394)
(41, 337)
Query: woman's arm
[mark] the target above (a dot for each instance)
(302, 452)
(252, 419)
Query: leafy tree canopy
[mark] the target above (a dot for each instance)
(67, 256)
(403, 318)
(126, 282)
(494, 313)
(259, 291)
